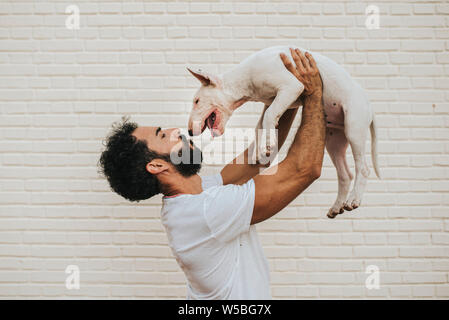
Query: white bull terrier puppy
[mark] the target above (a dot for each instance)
(262, 77)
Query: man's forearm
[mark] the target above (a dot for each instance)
(307, 150)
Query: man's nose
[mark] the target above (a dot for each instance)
(175, 133)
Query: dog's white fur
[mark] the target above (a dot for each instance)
(263, 77)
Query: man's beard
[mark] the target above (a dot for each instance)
(187, 161)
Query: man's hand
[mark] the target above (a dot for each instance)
(305, 71)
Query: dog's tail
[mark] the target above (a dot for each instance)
(373, 130)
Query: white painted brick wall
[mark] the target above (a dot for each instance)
(61, 89)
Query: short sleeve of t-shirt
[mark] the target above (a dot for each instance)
(228, 209)
(211, 181)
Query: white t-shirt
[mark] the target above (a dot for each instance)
(214, 244)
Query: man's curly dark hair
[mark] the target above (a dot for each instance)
(123, 163)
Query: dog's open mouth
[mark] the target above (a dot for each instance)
(210, 121)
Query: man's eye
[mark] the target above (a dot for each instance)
(163, 135)
(197, 100)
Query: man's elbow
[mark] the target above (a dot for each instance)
(315, 173)
(309, 173)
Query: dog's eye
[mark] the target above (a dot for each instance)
(197, 100)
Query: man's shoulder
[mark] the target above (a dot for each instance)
(229, 192)
(213, 180)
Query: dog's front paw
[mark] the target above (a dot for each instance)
(266, 152)
(263, 153)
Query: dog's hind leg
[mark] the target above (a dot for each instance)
(357, 122)
(336, 145)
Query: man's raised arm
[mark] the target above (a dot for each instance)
(304, 160)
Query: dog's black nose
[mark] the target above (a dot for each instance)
(190, 132)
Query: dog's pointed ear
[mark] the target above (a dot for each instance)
(206, 79)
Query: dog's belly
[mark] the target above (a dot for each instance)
(338, 86)
(335, 117)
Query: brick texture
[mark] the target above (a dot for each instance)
(61, 89)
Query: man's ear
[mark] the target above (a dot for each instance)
(206, 79)
(156, 166)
